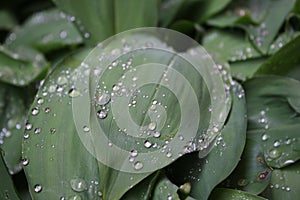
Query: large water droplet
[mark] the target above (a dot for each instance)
(78, 185)
(38, 188)
(62, 80)
(274, 153)
(138, 165)
(147, 144)
(103, 99)
(152, 126)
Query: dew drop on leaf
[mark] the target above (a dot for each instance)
(101, 114)
(78, 185)
(38, 188)
(35, 111)
(274, 153)
(138, 165)
(147, 144)
(73, 93)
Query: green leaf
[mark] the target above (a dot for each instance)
(21, 66)
(144, 189)
(47, 30)
(230, 45)
(252, 174)
(100, 19)
(7, 190)
(268, 15)
(224, 194)
(278, 64)
(205, 174)
(7, 20)
(13, 112)
(284, 183)
(244, 70)
(168, 11)
(273, 110)
(165, 190)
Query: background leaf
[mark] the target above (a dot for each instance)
(7, 190)
(220, 193)
(45, 31)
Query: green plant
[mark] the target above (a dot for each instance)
(59, 123)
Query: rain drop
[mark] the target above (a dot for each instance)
(40, 101)
(73, 93)
(63, 34)
(35, 111)
(78, 185)
(152, 126)
(138, 165)
(37, 188)
(276, 144)
(274, 153)
(103, 99)
(156, 134)
(25, 161)
(264, 137)
(101, 114)
(28, 126)
(147, 144)
(86, 129)
(133, 153)
(52, 130)
(37, 130)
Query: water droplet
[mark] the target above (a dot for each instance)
(38, 188)
(78, 185)
(28, 126)
(288, 189)
(274, 153)
(276, 144)
(116, 88)
(63, 34)
(26, 135)
(25, 161)
(264, 137)
(156, 134)
(86, 129)
(138, 165)
(35, 111)
(152, 126)
(52, 130)
(169, 155)
(73, 93)
(37, 130)
(133, 153)
(47, 110)
(62, 80)
(52, 88)
(147, 144)
(103, 99)
(101, 114)
(40, 101)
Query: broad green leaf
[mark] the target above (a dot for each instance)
(100, 19)
(165, 189)
(21, 66)
(284, 183)
(278, 64)
(224, 194)
(273, 114)
(230, 45)
(7, 190)
(47, 30)
(244, 70)
(7, 20)
(252, 174)
(205, 174)
(168, 11)
(56, 163)
(209, 8)
(13, 115)
(241, 12)
(261, 19)
(144, 189)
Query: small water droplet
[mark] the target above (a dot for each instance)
(38, 188)
(78, 185)
(156, 134)
(62, 80)
(101, 114)
(63, 34)
(138, 165)
(26, 135)
(115, 88)
(47, 110)
(103, 99)
(264, 137)
(276, 144)
(25, 161)
(133, 153)
(147, 144)
(28, 126)
(35, 111)
(288, 189)
(86, 129)
(152, 126)
(37, 130)
(169, 154)
(40, 101)
(73, 93)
